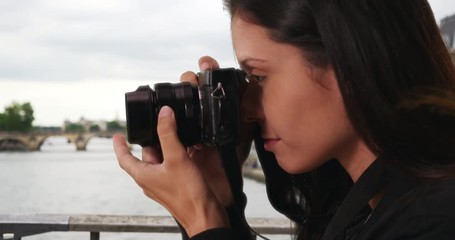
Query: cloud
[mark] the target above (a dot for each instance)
(74, 40)
(77, 58)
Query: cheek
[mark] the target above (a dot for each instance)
(312, 124)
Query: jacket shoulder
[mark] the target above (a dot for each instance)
(426, 211)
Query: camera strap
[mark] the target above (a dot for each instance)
(233, 172)
(232, 169)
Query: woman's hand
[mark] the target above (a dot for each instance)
(208, 159)
(189, 182)
(173, 179)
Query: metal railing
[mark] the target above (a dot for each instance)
(18, 226)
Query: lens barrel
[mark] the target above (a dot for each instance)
(183, 98)
(143, 105)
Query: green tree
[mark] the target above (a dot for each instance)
(2, 122)
(95, 128)
(114, 126)
(17, 117)
(73, 127)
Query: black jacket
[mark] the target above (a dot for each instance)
(408, 209)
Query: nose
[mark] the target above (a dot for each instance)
(251, 106)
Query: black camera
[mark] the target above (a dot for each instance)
(207, 113)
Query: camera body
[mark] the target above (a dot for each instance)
(206, 113)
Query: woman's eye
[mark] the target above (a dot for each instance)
(256, 78)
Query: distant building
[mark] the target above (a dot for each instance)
(87, 124)
(447, 27)
(91, 125)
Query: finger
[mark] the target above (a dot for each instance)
(171, 147)
(192, 150)
(152, 155)
(199, 146)
(190, 77)
(126, 160)
(208, 63)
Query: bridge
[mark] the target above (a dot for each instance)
(34, 140)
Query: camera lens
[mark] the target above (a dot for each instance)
(143, 105)
(141, 111)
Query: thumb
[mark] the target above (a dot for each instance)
(167, 133)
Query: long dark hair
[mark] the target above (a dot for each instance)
(394, 72)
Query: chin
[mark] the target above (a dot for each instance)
(294, 169)
(293, 166)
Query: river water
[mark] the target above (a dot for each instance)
(59, 179)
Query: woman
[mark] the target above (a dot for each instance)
(356, 107)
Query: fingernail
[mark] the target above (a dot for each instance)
(165, 112)
(205, 66)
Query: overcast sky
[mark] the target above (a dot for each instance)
(77, 58)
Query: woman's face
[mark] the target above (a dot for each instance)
(299, 107)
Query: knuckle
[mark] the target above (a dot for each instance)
(135, 173)
(188, 77)
(207, 60)
(122, 163)
(147, 194)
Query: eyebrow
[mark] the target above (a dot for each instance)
(245, 64)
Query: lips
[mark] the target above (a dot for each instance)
(270, 143)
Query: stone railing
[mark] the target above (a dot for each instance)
(19, 226)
